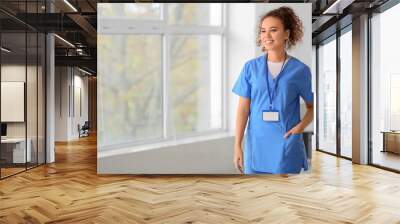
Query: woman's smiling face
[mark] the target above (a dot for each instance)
(273, 34)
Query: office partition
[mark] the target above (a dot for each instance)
(22, 77)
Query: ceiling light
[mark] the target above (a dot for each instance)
(70, 5)
(84, 71)
(5, 49)
(337, 7)
(65, 41)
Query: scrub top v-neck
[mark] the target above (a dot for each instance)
(266, 149)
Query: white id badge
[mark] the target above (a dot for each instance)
(269, 115)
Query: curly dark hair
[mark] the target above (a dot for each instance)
(290, 22)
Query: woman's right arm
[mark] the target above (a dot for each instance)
(241, 121)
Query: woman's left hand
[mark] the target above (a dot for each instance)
(295, 130)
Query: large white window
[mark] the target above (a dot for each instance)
(130, 11)
(130, 87)
(195, 14)
(346, 94)
(160, 72)
(385, 88)
(195, 83)
(327, 96)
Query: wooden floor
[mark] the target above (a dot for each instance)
(70, 191)
(10, 171)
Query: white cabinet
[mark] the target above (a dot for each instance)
(18, 149)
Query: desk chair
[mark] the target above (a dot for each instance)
(84, 130)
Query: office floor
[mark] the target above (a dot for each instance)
(9, 170)
(70, 191)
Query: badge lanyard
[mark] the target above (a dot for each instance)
(271, 96)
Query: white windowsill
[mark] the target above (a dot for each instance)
(164, 144)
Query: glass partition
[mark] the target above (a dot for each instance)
(41, 107)
(31, 99)
(13, 108)
(22, 88)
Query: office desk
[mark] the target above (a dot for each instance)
(15, 148)
(391, 141)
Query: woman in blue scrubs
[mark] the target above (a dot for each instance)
(269, 89)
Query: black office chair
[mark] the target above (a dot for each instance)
(84, 130)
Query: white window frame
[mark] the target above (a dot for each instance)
(391, 97)
(117, 25)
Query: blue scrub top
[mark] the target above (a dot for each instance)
(266, 149)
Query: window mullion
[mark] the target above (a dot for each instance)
(165, 61)
(224, 88)
(165, 64)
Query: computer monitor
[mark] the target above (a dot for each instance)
(3, 129)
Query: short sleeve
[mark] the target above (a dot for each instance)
(305, 86)
(242, 86)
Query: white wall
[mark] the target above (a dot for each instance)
(61, 103)
(80, 84)
(67, 82)
(12, 73)
(241, 42)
